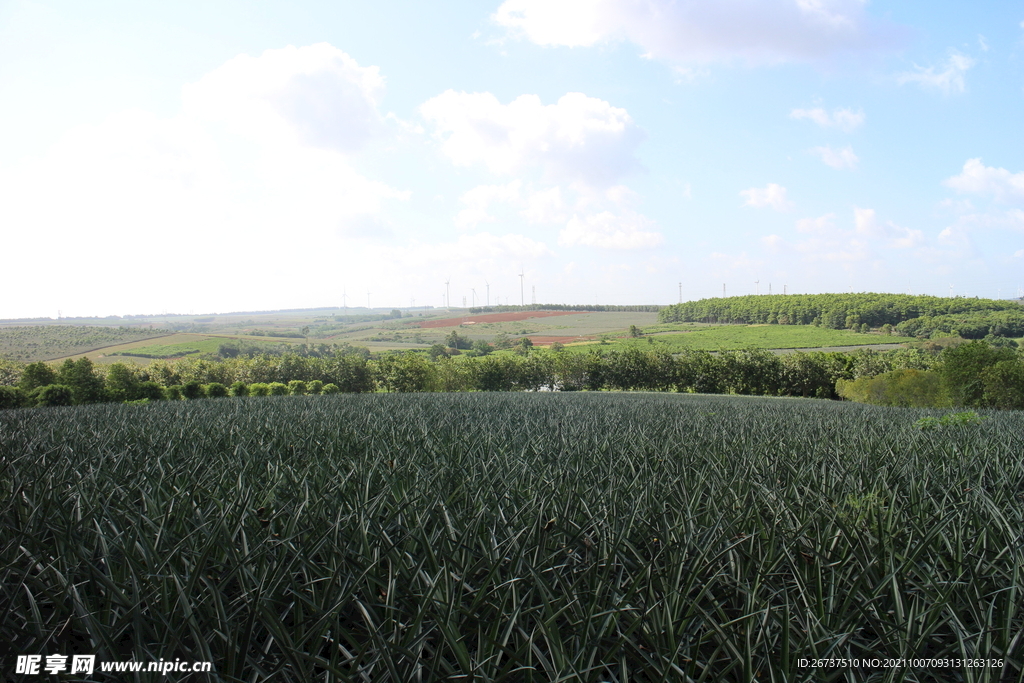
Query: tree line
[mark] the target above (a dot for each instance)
(970, 325)
(970, 374)
(836, 311)
(590, 308)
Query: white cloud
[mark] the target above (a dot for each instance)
(976, 178)
(579, 138)
(479, 199)
(843, 119)
(254, 184)
(545, 206)
(948, 78)
(481, 249)
(627, 230)
(317, 95)
(819, 225)
(954, 237)
(837, 158)
(754, 31)
(772, 243)
(773, 195)
(893, 236)
(823, 241)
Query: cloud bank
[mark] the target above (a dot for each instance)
(750, 31)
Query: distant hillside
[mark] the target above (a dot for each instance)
(45, 342)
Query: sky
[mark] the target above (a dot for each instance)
(227, 155)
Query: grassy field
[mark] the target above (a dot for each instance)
(173, 349)
(515, 537)
(171, 346)
(734, 337)
(406, 333)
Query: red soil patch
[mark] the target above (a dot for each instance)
(494, 318)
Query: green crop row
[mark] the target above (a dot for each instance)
(514, 537)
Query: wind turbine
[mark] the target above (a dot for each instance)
(522, 296)
(448, 293)
(488, 292)
(473, 289)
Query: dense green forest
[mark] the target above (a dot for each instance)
(837, 311)
(973, 374)
(969, 325)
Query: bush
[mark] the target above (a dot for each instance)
(314, 387)
(297, 387)
(80, 375)
(927, 424)
(963, 369)
(53, 395)
(122, 383)
(173, 392)
(1004, 385)
(259, 389)
(192, 390)
(330, 389)
(12, 397)
(36, 375)
(150, 390)
(278, 389)
(908, 388)
(239, 389)
(216, 390)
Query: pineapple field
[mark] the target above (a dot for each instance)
(537, 536)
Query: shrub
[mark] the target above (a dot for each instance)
(908, 388)
(1004, 385)
(192, 390)
(173, 392)
(53, 395)
(278, 389)
(12, 397)
(150, 390)
(80, 375)
(216, 390)
(259, 389)
(963, 370)
(122, 383)
(330, 389)
(36, 375)
(927, 424)
(314, 387)
(296, 387)
(239, 389)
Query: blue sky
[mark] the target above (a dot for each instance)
(219, 156)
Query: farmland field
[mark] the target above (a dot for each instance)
(171, 346)
(515, 537)
(29, 343)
